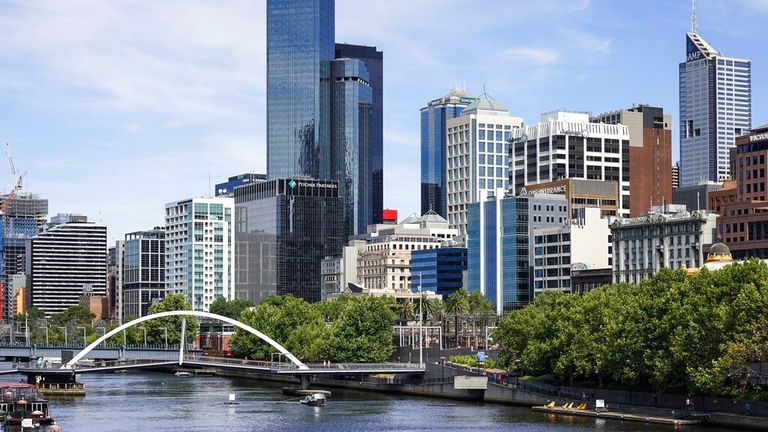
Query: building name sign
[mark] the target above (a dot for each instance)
(758, 137)
(549, 190)
(574, 133)
(318, 185)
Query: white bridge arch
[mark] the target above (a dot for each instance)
(228, 320)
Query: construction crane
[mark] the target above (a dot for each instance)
(10, 162)
(9, 197)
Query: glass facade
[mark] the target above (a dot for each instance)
(497, 253)
(143, 272)
(433, 148)
(715, 108)
(349, 161)
(439, 270)
(373, 61)
(284, 228)
(300, 35)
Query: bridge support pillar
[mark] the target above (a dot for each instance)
(305, 381)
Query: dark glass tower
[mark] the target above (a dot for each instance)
(349, 161)
(434, 118)
(374, 64)
(283, 229)
(300, 36)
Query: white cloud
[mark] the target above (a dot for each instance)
(536, 56)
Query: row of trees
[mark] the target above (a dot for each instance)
(350, 329)
(69, 326)
(672, 332)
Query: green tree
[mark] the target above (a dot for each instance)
(404, 310)
(478, 304)
(156, 327)
(456, 304)
(363, 332)
(230, 308)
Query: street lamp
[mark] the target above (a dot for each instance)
(65, 335)
(85, 340)
(145, 338)
(166, 336)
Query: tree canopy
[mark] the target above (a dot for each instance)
(672, 332)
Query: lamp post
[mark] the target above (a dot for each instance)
(65, 335)
(421, 327)
(85, 340)
(165, 329)
(145, 338)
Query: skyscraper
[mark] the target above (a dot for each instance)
(142, 272)
(199, 250)
(373, 60)
(477, 156)
(715, 108)
(434, 120)
(300, 36)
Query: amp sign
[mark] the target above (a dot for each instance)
(692, 52)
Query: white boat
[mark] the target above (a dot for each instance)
(315, 399)
(183, 374)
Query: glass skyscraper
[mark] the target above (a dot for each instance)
(434, 118)
(300, 35)
(715, 108)
(373, 60)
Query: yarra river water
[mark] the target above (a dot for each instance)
(151, 402)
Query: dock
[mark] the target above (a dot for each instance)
(612, 415)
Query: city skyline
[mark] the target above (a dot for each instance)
(117, 114)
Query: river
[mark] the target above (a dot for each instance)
(151, 402)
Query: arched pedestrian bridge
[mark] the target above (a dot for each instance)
(293, 366)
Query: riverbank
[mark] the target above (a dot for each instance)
(438, 382)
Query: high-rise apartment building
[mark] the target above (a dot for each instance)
(715, 108)
(374, 64)
(477, 157)
(567, 145)
(199, 250)
(66, 261)
(285, 227)
(650, 155)
(299, 37)
(142, 272)
(434, 122)
(23, 218)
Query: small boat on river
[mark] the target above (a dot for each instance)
(315, 399)
(183, 374)
(20, 404)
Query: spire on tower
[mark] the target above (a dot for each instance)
(694, 22)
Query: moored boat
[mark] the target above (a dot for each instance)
(21, 403)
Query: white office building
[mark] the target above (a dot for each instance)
(583, 243)
(199, 250)
(566, 145)
(477, 157)
(715, 108)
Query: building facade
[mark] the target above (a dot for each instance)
(23, 218)
(227, 188)
(349, 160)
(650, 155)
(440, 270)
(199, 250)
(434, 121)
(668, 237)
(567, 145)
(477, 157)
(580, 194)
(300, 35)
(374, 64)
(142, 272)
(715, 108)
(743, 225)
(66, 261)
(338, 272)
(285, 227)
(498, 247)
(582, 243)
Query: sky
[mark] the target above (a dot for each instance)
(117, 107)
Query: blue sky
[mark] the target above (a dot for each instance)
(117, 107)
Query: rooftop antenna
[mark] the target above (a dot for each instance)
(694, 21)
